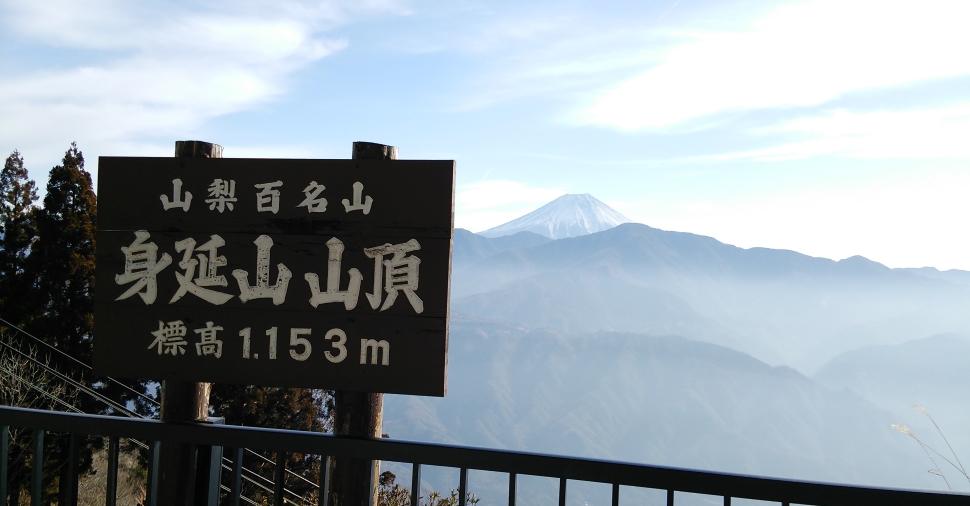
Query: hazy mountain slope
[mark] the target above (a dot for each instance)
(660, 400)
(571, 389)
(567, 216)
(470, 247)
(922, 370)
(779, 305)
(930, 371)
(586, 302)
(952, 275)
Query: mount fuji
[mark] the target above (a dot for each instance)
(568, 216)
(648, 345)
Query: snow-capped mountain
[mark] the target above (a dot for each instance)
(568, 216)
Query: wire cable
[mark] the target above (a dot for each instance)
(73, 359)
(126, 387)
(129, 413)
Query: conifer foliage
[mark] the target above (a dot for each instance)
(47, 283)
(63, 258)
(17, 230)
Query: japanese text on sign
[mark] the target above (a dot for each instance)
(328, 273)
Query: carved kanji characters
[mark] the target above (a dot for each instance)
(142, 265)
(262, 289)
(180, 199)
(397, 274)
(360, 203)
(268, 197)
(209, 342)
(312, 201)
(222, 195)
(201, 272)
(170, 338)
(333, 293)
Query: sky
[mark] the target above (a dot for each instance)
(834, 128)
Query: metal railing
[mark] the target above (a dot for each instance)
(248, 475)
(669, 479)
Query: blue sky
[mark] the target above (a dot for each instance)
(833, 128)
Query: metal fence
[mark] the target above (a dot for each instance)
(80, 378)
(565, 469)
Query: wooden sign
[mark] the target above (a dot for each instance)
(300, 273)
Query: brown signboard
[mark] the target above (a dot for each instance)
(309, 273)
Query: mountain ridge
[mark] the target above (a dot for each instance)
(781, 306)
(570, 346)
(659, 399)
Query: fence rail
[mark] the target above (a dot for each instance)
(462, 458)
(84, 386)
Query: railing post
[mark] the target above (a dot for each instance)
(279, 479)
(209, 474)
(323, 498)
(182, 401)
(512, 480)
(415, 483)
(111, 487)
(235, 484)
(37, 473)
(70, 472)
(151, 498)
(4, 455)
(358, 414)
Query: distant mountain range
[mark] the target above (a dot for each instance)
(567, 216)
(780, 306)
(672, 348)
(655, 399)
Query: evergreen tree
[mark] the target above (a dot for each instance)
(17, 230)
(62, 263)
(61, 267)
(62, 259)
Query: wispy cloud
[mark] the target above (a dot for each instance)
(800, 54)
(933, 132)
(527, 50)
(153, 69)
(485, 204)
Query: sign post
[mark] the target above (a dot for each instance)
(358, 414)
(183, 401)
(293, 273)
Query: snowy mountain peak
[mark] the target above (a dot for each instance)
(568, 216)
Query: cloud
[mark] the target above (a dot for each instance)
(150, 70)
(484, 204)
(531, 49)
(927, 133)
(797, 55)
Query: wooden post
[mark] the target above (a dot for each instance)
(358, 414)
(183, 401)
